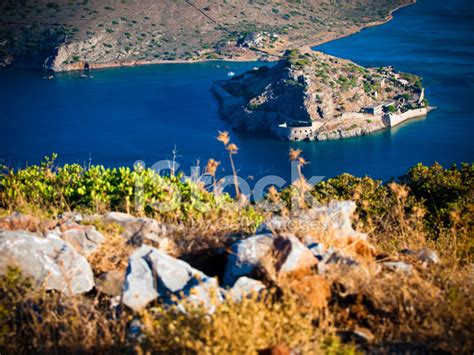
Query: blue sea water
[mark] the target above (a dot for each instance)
(143, 113)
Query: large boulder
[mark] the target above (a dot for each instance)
(245, 256)
(274, 256)
(85, 239)
(334, 218)
(135, 228)
(152, 274)
(50, 262)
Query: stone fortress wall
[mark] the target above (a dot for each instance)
(392, 120)
(301, 133)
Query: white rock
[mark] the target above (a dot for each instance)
(139, 286)
(85, 239)
(426, 255)
(288, 254)
(398, 266)
(295, 254)
(245, 287)
(50, 262)
(152, 274)
(137, 228)
(245, 256)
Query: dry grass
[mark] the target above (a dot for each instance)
(113, 253)
(48, 322)
(413, 310)
(247, 327)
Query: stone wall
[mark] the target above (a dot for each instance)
(392, 120)
(296, 133)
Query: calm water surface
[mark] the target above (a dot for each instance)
(129, 114)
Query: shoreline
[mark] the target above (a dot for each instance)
(109, 65)
(359, 29)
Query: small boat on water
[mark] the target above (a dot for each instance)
(231, 74)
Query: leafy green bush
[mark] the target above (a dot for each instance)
(95, 188)
(431, 202)
(446, 193)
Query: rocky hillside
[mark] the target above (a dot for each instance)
(314, 89)
(65, 34)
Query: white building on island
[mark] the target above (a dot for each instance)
(298, 131)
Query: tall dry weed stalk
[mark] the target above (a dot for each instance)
(231, 149)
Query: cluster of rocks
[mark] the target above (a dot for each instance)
(54, 254)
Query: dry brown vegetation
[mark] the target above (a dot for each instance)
(369, 307)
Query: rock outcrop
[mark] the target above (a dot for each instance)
(298, 252)
(52, 263)
(275, 256)
(152, 274)
(137, 229)
(85, 239)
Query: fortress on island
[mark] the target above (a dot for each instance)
(314, 96)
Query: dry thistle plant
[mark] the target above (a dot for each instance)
(211, 169)
(299, 187)
(232, 149)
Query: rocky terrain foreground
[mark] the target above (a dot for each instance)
(64, 35)
(347, 265)
(314, 96)
(69, 254)
(59, 254)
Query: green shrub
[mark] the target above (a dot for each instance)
(446, 193)
(95, 188)
(431, 202)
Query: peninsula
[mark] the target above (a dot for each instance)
(64, 35)
(314, 96)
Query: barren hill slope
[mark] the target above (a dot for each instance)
(64, 34)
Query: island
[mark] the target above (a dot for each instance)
(310, 96)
